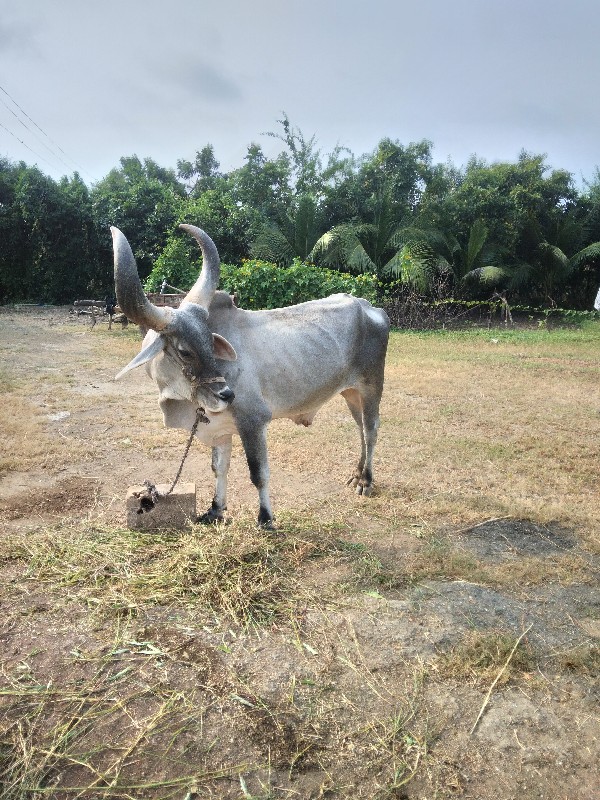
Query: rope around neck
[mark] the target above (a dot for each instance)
(151, 493)
(200, 417)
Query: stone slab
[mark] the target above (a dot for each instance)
(175, 511)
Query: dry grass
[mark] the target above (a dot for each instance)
(228, 570)
(584, 659)
(225, 662)
(439, 558)
(50, 746)
(510, 426)
(25, 441)
(480, 655)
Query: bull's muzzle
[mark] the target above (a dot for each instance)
(226, 395)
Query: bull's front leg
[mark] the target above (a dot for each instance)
(221, 458)
(253, 433)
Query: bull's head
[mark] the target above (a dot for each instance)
(182, 348)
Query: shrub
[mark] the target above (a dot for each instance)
(260, 284)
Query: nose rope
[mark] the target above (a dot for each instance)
(149, 496)
(200, 417)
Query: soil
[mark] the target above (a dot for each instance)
(350, 697)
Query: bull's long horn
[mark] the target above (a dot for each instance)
(130, 295)
(203, 290)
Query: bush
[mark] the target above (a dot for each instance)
(260, 284)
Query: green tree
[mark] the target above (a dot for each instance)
(549, 273)
(144, 201)
(305, 158)
(202, 174)
(584, 231)
(528, 213)
(383, 191)
(383, 246)
(48, 252)
(230, 226)
(292, 219)
(178, 264)
(514, 200)
(14, 252)
(263, 184)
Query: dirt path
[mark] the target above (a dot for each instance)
(350, 657)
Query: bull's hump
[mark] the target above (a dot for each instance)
(221, 300)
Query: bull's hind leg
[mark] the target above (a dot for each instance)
(221, 458)
(364, 407)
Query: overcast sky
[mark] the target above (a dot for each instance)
(159, 78)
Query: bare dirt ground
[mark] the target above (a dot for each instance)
(439, 639)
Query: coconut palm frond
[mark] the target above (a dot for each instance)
(414, 264)
(519, 274)
(305, 226)
(489, 276)
(477, 238)
(334, 247)
(272, 245)
(589, 253)
(402, 236)
(553, 256)
(359, 260)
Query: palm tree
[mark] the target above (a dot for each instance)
(293, 237)
(412, 254)
(549, 268)
(472, 265)
(385, 246)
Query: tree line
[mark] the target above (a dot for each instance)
(519, 227)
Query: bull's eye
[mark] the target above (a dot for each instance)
(184, 353)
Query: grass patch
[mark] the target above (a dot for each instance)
(584, 660)
(480, 655)
(233, 570)
(82, 739)
(25, 440)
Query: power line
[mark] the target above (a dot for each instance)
(25, 114)
(20, 121)
(37, 155)
(33, 122)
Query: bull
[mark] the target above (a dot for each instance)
(241, 369)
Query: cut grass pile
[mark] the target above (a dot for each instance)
(233, 570)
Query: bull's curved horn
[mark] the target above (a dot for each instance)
(130, 295)
(203, 290)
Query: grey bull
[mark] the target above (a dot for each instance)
(241, 369)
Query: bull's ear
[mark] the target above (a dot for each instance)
(223, 349)
(147, 354)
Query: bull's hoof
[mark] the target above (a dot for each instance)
(210, 517)
(265, 520)
(365, 491)
(360, 485)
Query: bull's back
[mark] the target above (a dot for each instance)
(302, 355)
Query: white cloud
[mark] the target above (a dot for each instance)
(162, 80)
